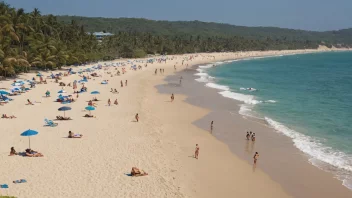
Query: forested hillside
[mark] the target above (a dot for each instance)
(174, 28)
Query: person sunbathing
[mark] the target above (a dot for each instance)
(88, 116)
(136, 172)
(95, 99)
(71, 135)
(90, 103)
(29, 102)
(5, 116)
(31, 153)
(115, 102)
(62, 118)
(13, 152)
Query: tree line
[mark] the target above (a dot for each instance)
(31, 40)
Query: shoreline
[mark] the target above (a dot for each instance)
(301, 159)
(248, 102)
(162, 143)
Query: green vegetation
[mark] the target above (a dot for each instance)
(30, 40)
(7, 196)
(205, 29)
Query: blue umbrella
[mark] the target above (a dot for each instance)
(62, 91)
(29, 133)
(65, 108)
(90, 108)
(39, 74)
(3, 92)
(95, 92)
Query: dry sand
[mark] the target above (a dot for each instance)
(162, 143)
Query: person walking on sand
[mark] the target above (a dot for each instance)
(156, 71)
(121, 83)
(196, 152)
(109, 102)
(137, 117)
(126, 83)
(175, 67)
(172, 97)
(255, 157)
(211, 126)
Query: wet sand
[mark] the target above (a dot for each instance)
(283, 162)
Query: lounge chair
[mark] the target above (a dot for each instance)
(50, 123)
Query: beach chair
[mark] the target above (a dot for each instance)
(50, 123)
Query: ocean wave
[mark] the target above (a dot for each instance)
(216, 86)
(270, 101)
(248, 99)
(206, 66)
(317, 151)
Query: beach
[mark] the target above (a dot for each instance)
(161, 143)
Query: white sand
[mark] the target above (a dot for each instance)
(162, 143)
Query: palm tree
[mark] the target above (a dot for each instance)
(44, 59)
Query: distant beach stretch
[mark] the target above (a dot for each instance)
(94, 130)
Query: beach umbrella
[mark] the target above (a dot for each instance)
(64, 109)
(95, 92)
(39, 74)
(29, 133)
(15, 89)
(61, 91)
(90, 108)
(3, 92)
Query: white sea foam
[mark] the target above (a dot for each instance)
(206, 66)
(270, 101)
(245, 110)
(216, 86)
(248, 99)
(317, 151)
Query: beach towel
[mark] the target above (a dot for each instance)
(4, 186)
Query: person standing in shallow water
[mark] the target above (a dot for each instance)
(253, 137)
(172, 97)
(196, 152)
(247, 136)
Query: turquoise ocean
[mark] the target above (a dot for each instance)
(307, 97)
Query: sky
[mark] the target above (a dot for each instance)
(317, 15)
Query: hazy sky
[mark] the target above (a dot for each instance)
(298, 14)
